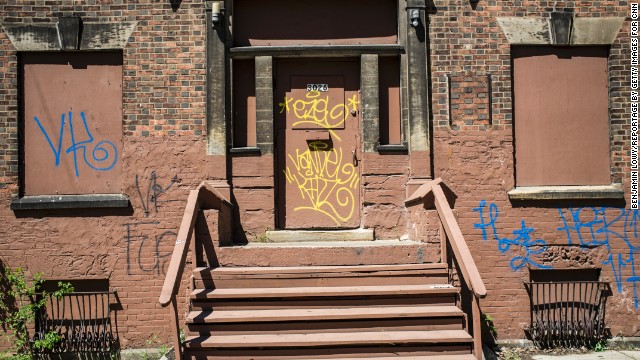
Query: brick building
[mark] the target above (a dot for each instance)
(319, 116)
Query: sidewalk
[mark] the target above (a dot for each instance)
(604, 355)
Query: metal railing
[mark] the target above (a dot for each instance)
(82, 321)
(567, 314)
(451, 234)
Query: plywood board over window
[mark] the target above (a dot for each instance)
(327, 22)
(561, 115)
(72, 113)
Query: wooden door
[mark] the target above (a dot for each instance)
(318, 144)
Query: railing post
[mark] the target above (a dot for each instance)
(443, 244)
(477, 327)
(175, 324)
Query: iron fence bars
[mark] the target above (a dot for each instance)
(567, 314)
(81, 320)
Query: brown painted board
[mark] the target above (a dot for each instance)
(561, 116)
(328, 22)
(244, 103)
(389, 69)
(72, 123)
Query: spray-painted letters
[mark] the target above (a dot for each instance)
(315, 110)
(521, 241)
(153, 193)
(324, 180)
(615, 229)
(144, 255)
(103, 155)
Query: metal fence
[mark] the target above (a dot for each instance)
(567, 314)
(82, 321)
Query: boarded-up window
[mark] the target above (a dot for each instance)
(72, 113)
(561, 115)
(327, 22)
(244, 103)
(389, 71)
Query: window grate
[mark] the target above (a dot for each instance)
(81, 319)
(567, 314)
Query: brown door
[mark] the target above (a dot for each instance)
(318, 144)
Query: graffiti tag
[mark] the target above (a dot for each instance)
(615, 229)
(315, 110)
(103, 155)
(143, 253)
(324, 180)
(153, 193)
(521, 240)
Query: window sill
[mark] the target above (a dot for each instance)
(249, 150)
(393, 149)
(52, 202)
(584, 192)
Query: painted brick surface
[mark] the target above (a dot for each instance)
(164, 156)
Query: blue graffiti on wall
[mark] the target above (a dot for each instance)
(522, 238)
(593, 226)
(104, 154)
(613, 228)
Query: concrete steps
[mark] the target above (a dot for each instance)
(405, 311)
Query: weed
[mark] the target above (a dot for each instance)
(600, 346)
(509, 354)
(20, 302)
(263, 238)
(488, 321)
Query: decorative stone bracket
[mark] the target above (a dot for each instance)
(69, 33)
(560, 29)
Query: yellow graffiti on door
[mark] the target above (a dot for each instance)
(315, 110)
(324, 180)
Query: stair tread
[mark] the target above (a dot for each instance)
(316, 291)
(221, 316)
(226, 270)
(423, 357)
(329, 339)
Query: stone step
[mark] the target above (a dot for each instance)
(322, 314)
(369, 275)
(328, 291)
(330, 339)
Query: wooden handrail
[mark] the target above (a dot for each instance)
(468, 267)
(430, 194)
(204, 196)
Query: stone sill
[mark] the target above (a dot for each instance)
(53, 202)
(393, 149)
(584, 192)
(249, 150)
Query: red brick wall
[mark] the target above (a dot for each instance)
(164, 129)
(477, 161)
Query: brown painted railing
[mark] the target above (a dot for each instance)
(450, 234)
(205, 196)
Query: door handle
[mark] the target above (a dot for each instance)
(355, 157)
